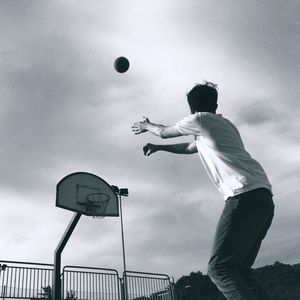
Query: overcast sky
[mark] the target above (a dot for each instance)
(64, 109)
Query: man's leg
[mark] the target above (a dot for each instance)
(246, 271)
(243, 222)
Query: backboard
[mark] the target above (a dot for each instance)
(88, 194)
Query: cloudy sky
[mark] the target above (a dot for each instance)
(64, 109)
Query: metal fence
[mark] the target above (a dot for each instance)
(25, 280)
(148, 286)
(91, 283)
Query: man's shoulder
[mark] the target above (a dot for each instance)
(189, 125)
(190, 117)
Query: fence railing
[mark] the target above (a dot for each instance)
(91, 283)
(26, 280)
(144, 286)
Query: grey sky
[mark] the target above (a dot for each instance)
(64, 109)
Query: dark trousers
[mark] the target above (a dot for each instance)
(243, 225)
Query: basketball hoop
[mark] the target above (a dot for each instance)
(96, 204)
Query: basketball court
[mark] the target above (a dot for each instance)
(89, 195)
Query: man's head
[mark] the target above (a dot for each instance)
(203, 98)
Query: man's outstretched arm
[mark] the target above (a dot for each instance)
(156, 129)
(183, 148)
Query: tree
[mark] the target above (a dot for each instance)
(47, 292)
(282, 282)
(71, 295)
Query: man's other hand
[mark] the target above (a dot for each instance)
(149, 149)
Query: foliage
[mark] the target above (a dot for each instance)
(47, 294)
(282, 281)
(196, 286)
(71, 295)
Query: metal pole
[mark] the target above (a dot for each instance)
(4, 292)
(57, 256)
(124, 283)
(122, 232)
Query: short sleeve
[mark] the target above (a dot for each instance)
(190, 125)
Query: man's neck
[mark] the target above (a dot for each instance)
(212, 112)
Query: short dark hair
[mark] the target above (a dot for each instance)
(203, 97)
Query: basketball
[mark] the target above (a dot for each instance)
(121, 64)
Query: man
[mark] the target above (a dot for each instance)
(241, 180)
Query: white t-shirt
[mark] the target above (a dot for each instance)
(222, 152)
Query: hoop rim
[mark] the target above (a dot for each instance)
(98, 207)
(89, 200)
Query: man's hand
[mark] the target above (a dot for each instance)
(159, 130)
(140, 127)
(149, 149)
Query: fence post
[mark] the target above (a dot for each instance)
(4, 291)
